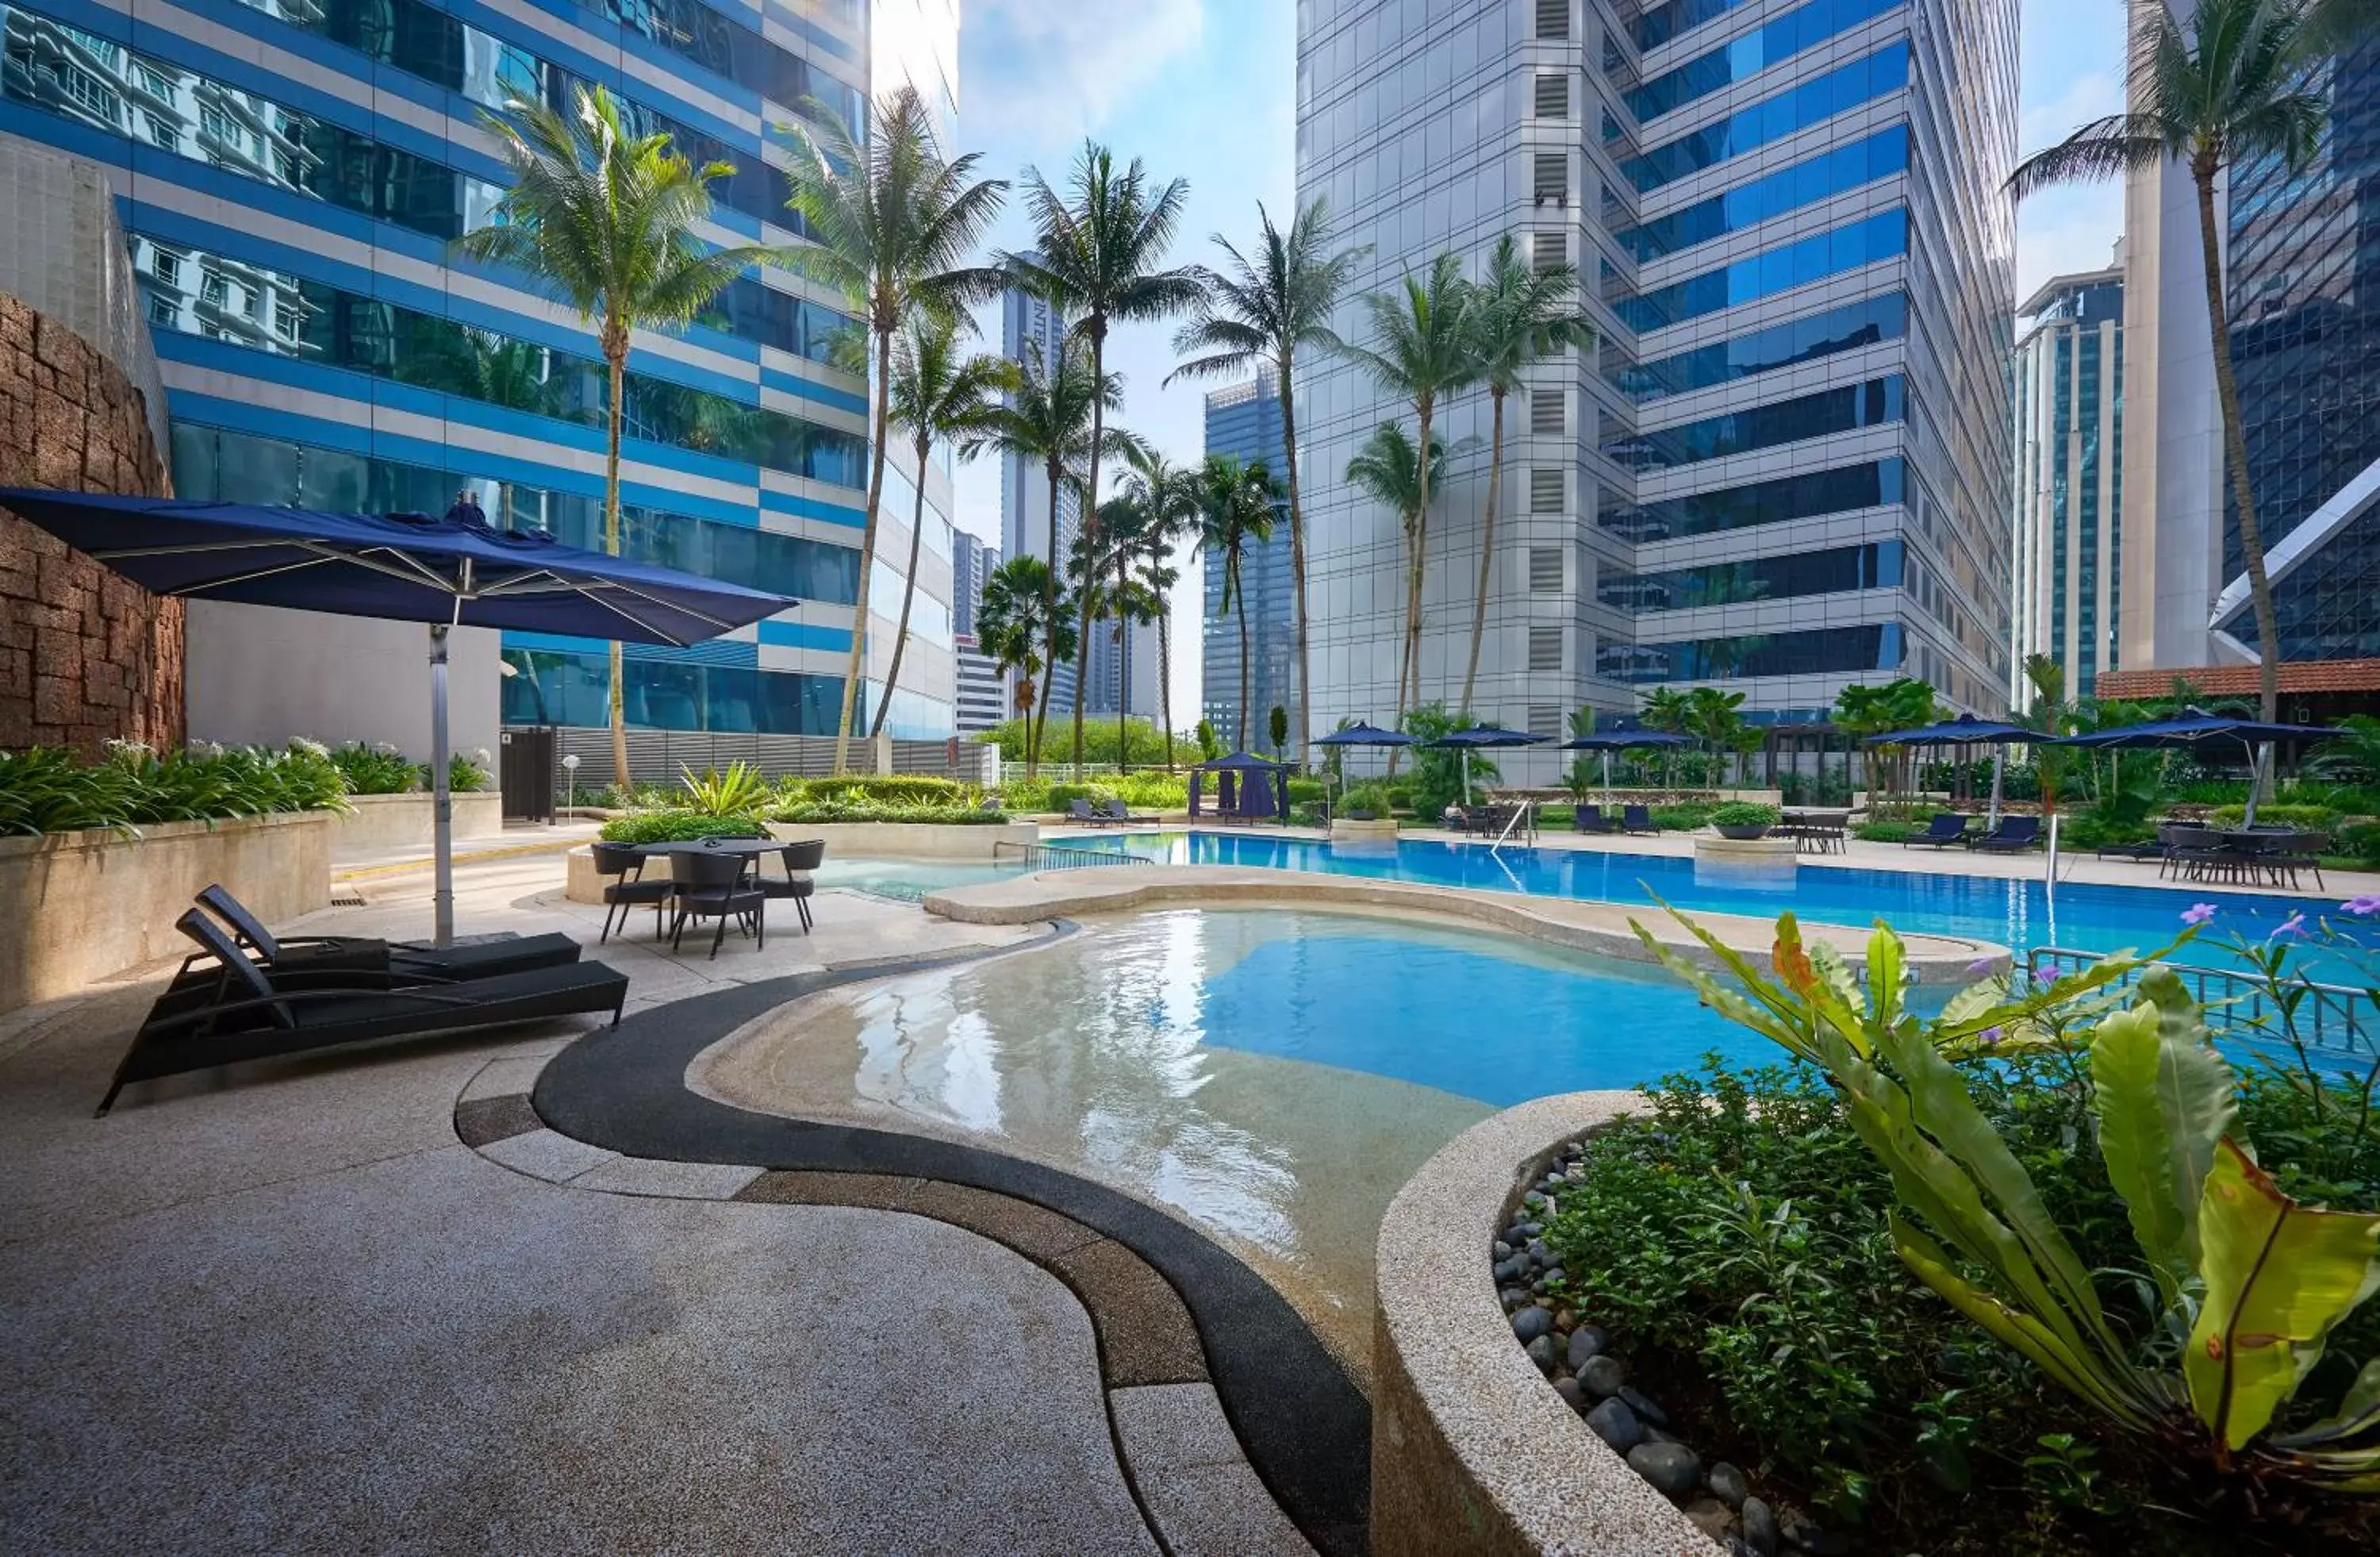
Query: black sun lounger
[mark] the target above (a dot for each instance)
(259, 1020)
(297, 958)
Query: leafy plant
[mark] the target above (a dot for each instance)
(1885, 831)
(1373, 797)
(860, 809)
(1744, 813)
(740, 791)
(1686, 816)
(2318, 818)
(678, 826)
(464, 775)
(374, 769)
(910, 788)
(2248, 1281)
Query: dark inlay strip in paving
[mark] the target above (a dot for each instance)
(484, 1120)
(1305, 1427)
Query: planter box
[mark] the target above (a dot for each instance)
(1769, 863)
(79, 907)
(1348, 830)
(395, 822)
(855, 840)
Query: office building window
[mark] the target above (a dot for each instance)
(1872, 404)
(1545, 718)
(1553, 97)
(1883, 236)
(1545, 570)
(1545, 411)
(1841, 490)
(1813, 102)
(1553, 19)
(1546, 490)
(1549, 251)
(1545, 648)
(1552, 178)
(1807, 339)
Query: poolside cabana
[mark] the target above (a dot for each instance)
(1246, 788)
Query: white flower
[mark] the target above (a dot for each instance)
(210, 750)
(480, 757)
(386, 748)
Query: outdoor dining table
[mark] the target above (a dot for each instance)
(1815, 829)
(750, 848)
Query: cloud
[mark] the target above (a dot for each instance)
(2090, 96)
(2067, 232)
(1046, 72)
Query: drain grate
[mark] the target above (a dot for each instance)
(347, 897)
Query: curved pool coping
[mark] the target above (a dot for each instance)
(1470, 1450)
(1301, 1423)
(1599, 928)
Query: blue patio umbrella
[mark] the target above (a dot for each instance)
(1253, 769)
(1969, 730)
(1609, 741)
(1360, 734)
(401, 566)
(2207, 736)
(1481, 737)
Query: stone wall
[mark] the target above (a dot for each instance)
(86, 656)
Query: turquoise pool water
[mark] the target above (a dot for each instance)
(2012, 912)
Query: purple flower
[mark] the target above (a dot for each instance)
(1983, 967)
(2044, 976)
(2198, 913)
(2293, 925)
(2363, 902)
(1991, 1035)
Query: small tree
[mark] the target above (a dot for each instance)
(1277, 727)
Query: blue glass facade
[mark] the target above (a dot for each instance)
(1806, 339)
(1244, 422)
(1797, 29)
(289, 208)
(1788, 188)
(1774, 119)
(1883, 236)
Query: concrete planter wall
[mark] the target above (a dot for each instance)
(76, 907)
(392, 821)
(1472, 1451)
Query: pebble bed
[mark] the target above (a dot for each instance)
(1592, 1380)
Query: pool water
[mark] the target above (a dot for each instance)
(2020, 913)
(1272, 1076)
(908, 880)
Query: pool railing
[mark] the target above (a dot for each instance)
(2324, 1017)
(1058, 857)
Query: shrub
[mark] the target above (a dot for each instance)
(1886, 832)
(678, 825)
(1374, 796)
(914, 789)
(2359, 843)
(42, 790)
(374, 769)
(637, 796)
(861, 809)
(1745, 813)
(2317, 819)
(464, 775)
(1683, 816)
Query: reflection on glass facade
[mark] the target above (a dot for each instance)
(568, 687)
(198, 293)
(213, 465)
(2304, 281)
(1800, 258)
(1788, 344)
(149, 100)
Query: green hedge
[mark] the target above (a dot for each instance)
(2320, 819)
(885, 811)
(1684, 817)
(1886, 832)
(675, 826)
(912, 789)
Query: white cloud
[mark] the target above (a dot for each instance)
(1055, 69)
(2090, 96)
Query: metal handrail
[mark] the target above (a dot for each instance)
(2239, 999)
(1058, 857)
(1526, 811)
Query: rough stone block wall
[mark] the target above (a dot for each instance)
(86, 656)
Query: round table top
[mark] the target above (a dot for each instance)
(716, 846)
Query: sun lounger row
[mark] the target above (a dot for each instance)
(1595, 818)
(1946, 828)
(1105, 814)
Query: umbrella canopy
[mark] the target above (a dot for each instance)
(2207, 737)
(1366, 734)
(1485, 736)
(1624, 740)
(1964, 730)
(409, 567)
(1240, 763)
(405, 568)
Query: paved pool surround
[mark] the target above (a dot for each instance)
(1600, 928)
(1472, 1451)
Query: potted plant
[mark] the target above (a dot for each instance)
(1365, 802)
(1743, 819)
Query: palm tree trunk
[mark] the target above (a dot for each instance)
(908, 594)
(1240, 609)
(1486, 542)
(1036, 730)
(1123, 679)
(1165, 675)
(1099, 330)
(852, 665)
(1421, 538)
(1304, 700)
(615, 358)
(2235, 450)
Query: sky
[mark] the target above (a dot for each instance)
(1206, 90)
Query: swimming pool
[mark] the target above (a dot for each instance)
(2015, 912)
(1273, 1076)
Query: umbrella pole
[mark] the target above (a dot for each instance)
(2257, 757)
(1999, 766)
(1607, 778)
(1466, 775)
(442, 896)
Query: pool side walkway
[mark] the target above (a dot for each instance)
(370, 1301)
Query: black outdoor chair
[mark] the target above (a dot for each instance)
(717, 886)
(266, 1019)
(630, 891)
(2182, 843)
(2014, 833)
(1590, 819)
(796, 886)
(1946, 828)
(1636, 818)
(1116, 811)
(300, 961)
(2289, 853)
(1082, 811)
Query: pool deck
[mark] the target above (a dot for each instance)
(372, 1300)
(1601, 927)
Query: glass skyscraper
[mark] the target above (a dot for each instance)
(2070, 420)
(1786, 468)
(290, 177)
(1243, 420)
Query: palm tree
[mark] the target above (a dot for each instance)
(936, 392)
(1714, 715)
(1167, 495)
(891, 224)
(1665, 710)
(1387, 467)
(1521, 312)
(1020, 619)
(1098, 255)
(1127, 532)
(2239, 89)
(1051, 417)
(604, 221)
(2050, 715)
(1421, 348)
(1260, 313)
(1235, 509)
